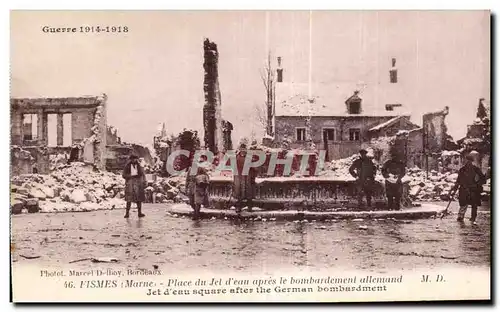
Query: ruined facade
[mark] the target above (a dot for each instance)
(435, 130)
(48, 126)
(212, 116)
(112, 137)
(340, 136)
(478, 137)
(337, 117)
(392, 127)
(118, 152)
(434, 137)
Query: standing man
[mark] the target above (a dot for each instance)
(197, 189)
(364, 170)
(202, 183)
(243, 182)
(393, 171)
(469, 184)
(135, 183)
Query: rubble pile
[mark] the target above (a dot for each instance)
(57, 161)
(165, 190)
(340, 168)
(73, 187)
(434, 187)
(79, 187)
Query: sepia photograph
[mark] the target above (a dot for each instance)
(250, 156)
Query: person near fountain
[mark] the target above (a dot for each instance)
(364, 170)
(197, 186)
(393, 171)
(200, 196)
(135, 183)
(469, 184)
(243, 182)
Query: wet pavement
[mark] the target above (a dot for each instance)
(178, 244)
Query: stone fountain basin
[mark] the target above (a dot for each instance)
(422, 212)
(304, 193)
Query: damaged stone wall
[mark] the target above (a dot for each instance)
(118, 155)
(415, 151)
(99, 130)
(21, 161)
(435, 137)
(112, 137)
(435, 130)
(393, 129)
(118, 152)
(88, 127)
(341, 147)
(212, 115)
(143, 152)
(407, 145)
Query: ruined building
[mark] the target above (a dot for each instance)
(338, 117)
(212, 119)
(478, 137)
(217, 131)
(435, 137)
(112, 137)
(118, 152)
(41, 127)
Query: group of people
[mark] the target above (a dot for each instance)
(243, 185)
(364, 170)
(469, 184)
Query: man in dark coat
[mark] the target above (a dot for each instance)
(243, 182)
(135, 183)
(364, 170)
(469, 184)
(393, 171)
(197, 188)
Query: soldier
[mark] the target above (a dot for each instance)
(197, 189)
(364, 170)
(393, 171)
(469, 184)
(243, 182)
(202, 182)
(135, 183)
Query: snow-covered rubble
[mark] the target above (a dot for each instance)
(165, 190)
(434, 187)
(73, 187)
(79, 187)
(340, 168)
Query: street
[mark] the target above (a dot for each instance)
(177, 244)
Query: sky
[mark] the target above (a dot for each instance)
(154, 72)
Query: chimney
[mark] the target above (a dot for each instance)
(279, 70)
(393, 73)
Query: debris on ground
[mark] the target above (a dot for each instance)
(97, 260)
(80, 187)
(30, 256)
(73, 187)
(434, 186)
(105, 259)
